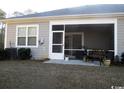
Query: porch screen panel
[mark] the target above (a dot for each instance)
(77, 41)
(57, 38)
(57, 42)
(73, 42)
(57, 49)
(57, 27)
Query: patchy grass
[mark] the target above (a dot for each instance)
(36, 74)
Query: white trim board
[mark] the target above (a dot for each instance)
(84, 21)
(61, 54)
(5, 37)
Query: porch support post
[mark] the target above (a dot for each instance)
(115, 38)
(5, 37)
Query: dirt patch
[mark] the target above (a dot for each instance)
(38, 75)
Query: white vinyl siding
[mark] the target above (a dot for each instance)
(39, 52)
(120, 35)
(27, 36)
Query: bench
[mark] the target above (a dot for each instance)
(96, 55)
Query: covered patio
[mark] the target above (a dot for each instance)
(77, 39)
(85, 39)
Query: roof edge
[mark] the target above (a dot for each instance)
(76, 15)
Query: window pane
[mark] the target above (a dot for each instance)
(57, 38)
(32, 31)
(22, 32)
(57, 49)
(31, 40)
(57, 27)
(21, 41)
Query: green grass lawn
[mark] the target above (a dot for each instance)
(36, 74)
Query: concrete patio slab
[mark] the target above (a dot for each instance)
(74, 62)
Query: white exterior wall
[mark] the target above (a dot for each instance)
(37, 53)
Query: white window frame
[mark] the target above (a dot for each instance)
(37, 35)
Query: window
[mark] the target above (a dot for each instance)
(27, 35)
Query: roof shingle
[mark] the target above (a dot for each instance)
(88, 9)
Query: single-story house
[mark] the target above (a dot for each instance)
(58, 33)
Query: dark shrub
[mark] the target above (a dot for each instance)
(119, 61)
(24, 53)
(122, 58)
(7, 53)
(2, 54)
(116, 60)
(11, 53)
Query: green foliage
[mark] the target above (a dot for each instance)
(1, 40)
(2, 54)
(2, 14)
(11, 53)
(122, 58)
(24, 53)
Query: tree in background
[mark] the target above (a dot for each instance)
(2, 14)
(16, 13)
(26, 12)
(2, 28)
